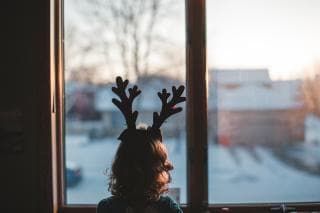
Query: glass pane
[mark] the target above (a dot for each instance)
(264, 100)
(142, 40)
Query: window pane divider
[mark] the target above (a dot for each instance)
(197, 154)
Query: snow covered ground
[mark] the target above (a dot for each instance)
(236, 175)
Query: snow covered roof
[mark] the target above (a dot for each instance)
(148, 100)
(239, 75)
(103, 99)
(252, 93)
(240, 92)
(73, 86)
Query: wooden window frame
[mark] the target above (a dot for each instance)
(197, 146)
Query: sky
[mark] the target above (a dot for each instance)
(280, 35)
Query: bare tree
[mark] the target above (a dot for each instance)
(311, 92)
(127, 31)
(77, 55)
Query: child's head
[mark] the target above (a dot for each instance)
(141, 168)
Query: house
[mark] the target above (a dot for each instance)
(247, 107)
(79, 104)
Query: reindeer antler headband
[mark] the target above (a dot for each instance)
(125, 105)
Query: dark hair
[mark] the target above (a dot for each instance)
(140, 170)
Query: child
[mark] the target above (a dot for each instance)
(140, 171)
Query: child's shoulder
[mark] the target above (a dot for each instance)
(168, 203)
(115, 204)
(105, 205)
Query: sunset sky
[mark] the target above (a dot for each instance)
(282, 35)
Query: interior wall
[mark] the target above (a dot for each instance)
(25, 106)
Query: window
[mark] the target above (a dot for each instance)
(206, 151)
(259, 57)
(132, 42)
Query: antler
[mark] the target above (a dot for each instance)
(168, 108)
(125, 103)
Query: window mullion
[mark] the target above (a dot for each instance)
(59, 99)
(197, 155)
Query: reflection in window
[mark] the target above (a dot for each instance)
(104, 39)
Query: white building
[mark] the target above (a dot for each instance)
(246, 106)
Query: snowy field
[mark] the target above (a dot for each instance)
(236, 175)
